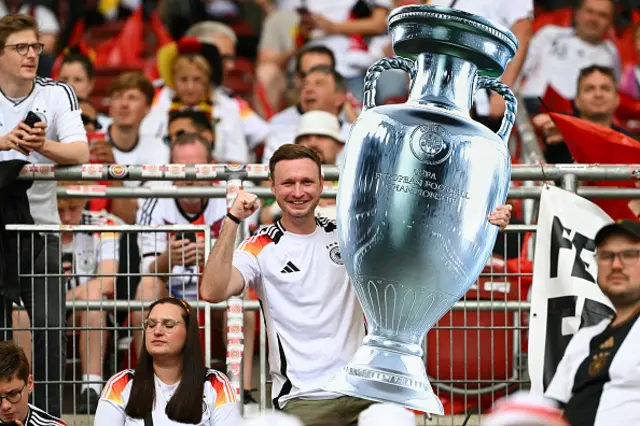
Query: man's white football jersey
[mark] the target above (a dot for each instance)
(314, 322)
(55, 103)
(184, 280)
(88, 249)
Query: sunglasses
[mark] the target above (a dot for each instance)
(86, 120)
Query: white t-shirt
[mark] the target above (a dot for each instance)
(336, 11)
(55, 103)
(88, 249)
(166, 211)
(555, 57)
(220, 404)
(598, 378)
(502, 12)
(231, 144)
(148, 150)
(283, 128)
(47, 21)
(256, 129)
(314, 321)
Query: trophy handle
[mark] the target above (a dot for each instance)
(397, 63)
(509, 99)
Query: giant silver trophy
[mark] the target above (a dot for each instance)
(418, 183)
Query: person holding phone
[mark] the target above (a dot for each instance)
(179, 255)
(52, 134)
(16, 384)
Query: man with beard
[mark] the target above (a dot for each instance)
(313, 320)
(598, 378)
(596, 102)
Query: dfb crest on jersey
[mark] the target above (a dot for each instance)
(336, 256)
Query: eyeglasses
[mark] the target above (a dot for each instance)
(13, 397)
(169, 325)
(23, 48)
(168, 138)
(88, 120)
(627, 257)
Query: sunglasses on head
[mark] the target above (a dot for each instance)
(88, 120)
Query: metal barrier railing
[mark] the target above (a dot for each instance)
(487, 327)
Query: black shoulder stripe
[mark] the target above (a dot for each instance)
(73, 100)
(147, 210)
(327, 224)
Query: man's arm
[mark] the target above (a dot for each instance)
(523, 32)
(71, 147)
(374, 25)
(221, 279)
(66, 153)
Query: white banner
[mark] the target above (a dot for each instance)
(565, 296)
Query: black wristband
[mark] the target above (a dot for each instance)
(233, 218)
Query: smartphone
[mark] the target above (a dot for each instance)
(32, 119)
(189, 236)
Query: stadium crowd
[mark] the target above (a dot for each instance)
(278, 82)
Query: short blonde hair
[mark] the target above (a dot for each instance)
(133, 80)
(73, 201)
(184, 61)
(10, 24)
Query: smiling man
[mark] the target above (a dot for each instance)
(598, 379)
(15, 386)
(313, 319)
(58, 138)
(322, 89)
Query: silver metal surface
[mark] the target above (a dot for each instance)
(417, 186)
(418, 29)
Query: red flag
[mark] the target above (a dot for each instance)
(162, 35)
(555, 102)
(591, 143)
(127, 47)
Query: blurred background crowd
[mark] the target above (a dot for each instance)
(230, 81)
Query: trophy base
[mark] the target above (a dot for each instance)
(383, 375)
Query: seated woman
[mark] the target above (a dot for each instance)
(191, 71)
(170, 384)
(76, 69)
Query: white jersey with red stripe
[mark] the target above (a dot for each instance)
(220, 404)
(314, 322)
(183, 282)
(82, 255)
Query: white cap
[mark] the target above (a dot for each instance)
(320, 123)
(385, 415)
(272, 418)
(524, 408)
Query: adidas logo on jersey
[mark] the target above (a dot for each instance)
(289, 267)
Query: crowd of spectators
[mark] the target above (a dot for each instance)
(231, 81)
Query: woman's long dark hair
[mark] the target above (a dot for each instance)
(185, 406)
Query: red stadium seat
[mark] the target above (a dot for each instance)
(560, 17)
(475, 350)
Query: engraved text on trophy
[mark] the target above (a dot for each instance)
(423, 183)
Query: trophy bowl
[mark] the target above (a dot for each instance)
(417, 186)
